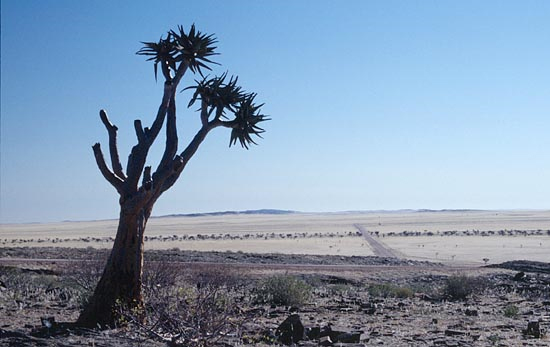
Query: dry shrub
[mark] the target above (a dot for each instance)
(187, 308)
(460, 287)
(21, 288)
(511, 311)
(386, 290)
(283, 290)
(83, 276)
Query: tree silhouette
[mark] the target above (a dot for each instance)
(222, 103)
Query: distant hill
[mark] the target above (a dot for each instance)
(283, 212)
(226, 213)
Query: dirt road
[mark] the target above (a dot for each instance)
(378, 248)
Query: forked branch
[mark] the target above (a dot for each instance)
(108, 174)
(171, 146)
(113, 149)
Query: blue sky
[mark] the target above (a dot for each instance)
(374, 104)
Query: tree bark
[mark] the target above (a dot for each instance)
(120, 284)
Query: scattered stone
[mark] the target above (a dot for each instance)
(533, 329)
(354, 337)
(369, 307)
(269, 336)
(519, 276)
(313, 333)
(48, 322)
(525, 266)
(7, 333)
(291, 330)
(471, 313)
(325, 341)
(452, 332)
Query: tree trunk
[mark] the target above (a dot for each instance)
(120, 284)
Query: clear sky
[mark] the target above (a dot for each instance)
(374, 104)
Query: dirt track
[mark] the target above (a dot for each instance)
(377, 247)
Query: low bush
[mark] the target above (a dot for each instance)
(22, 288)
(388, 290)
(184, 308)
(511, 311)
(283, 290)
(460, 287)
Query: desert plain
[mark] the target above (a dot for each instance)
(355, 279)
(452, 237)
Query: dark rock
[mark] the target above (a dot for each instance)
(269, 336)
(313, 333)
(333, 334)
(325, 331)
(505, 326)
(291, 330)
(354, 337)
(338, 280)
(471, 313)
(525, 266)
(369, 307)
(7, 334)
(48, 322)
(533, 329)
(452, 332)
(39, 271)
(325, 341)
(519, 276)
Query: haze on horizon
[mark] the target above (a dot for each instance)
(375, 105)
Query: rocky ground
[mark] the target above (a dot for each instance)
(332, 301)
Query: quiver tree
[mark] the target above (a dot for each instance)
(221, 103)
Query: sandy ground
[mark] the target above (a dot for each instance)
(450, 249)
(472, 249)
(299, 222)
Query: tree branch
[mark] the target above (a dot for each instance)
(226, 124)
(204, 112)
(140, 133)
(171, 147)
(109, 176)
(181, 160)
(168, 109)
(147, 181)
(138, 155)
(113, 149)
(170, 87)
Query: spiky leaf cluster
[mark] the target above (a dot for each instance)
(192, 48)
(247, 117)
(218, 94)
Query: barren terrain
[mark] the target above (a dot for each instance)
(352, 301)
(460, 237)
(377, 278)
